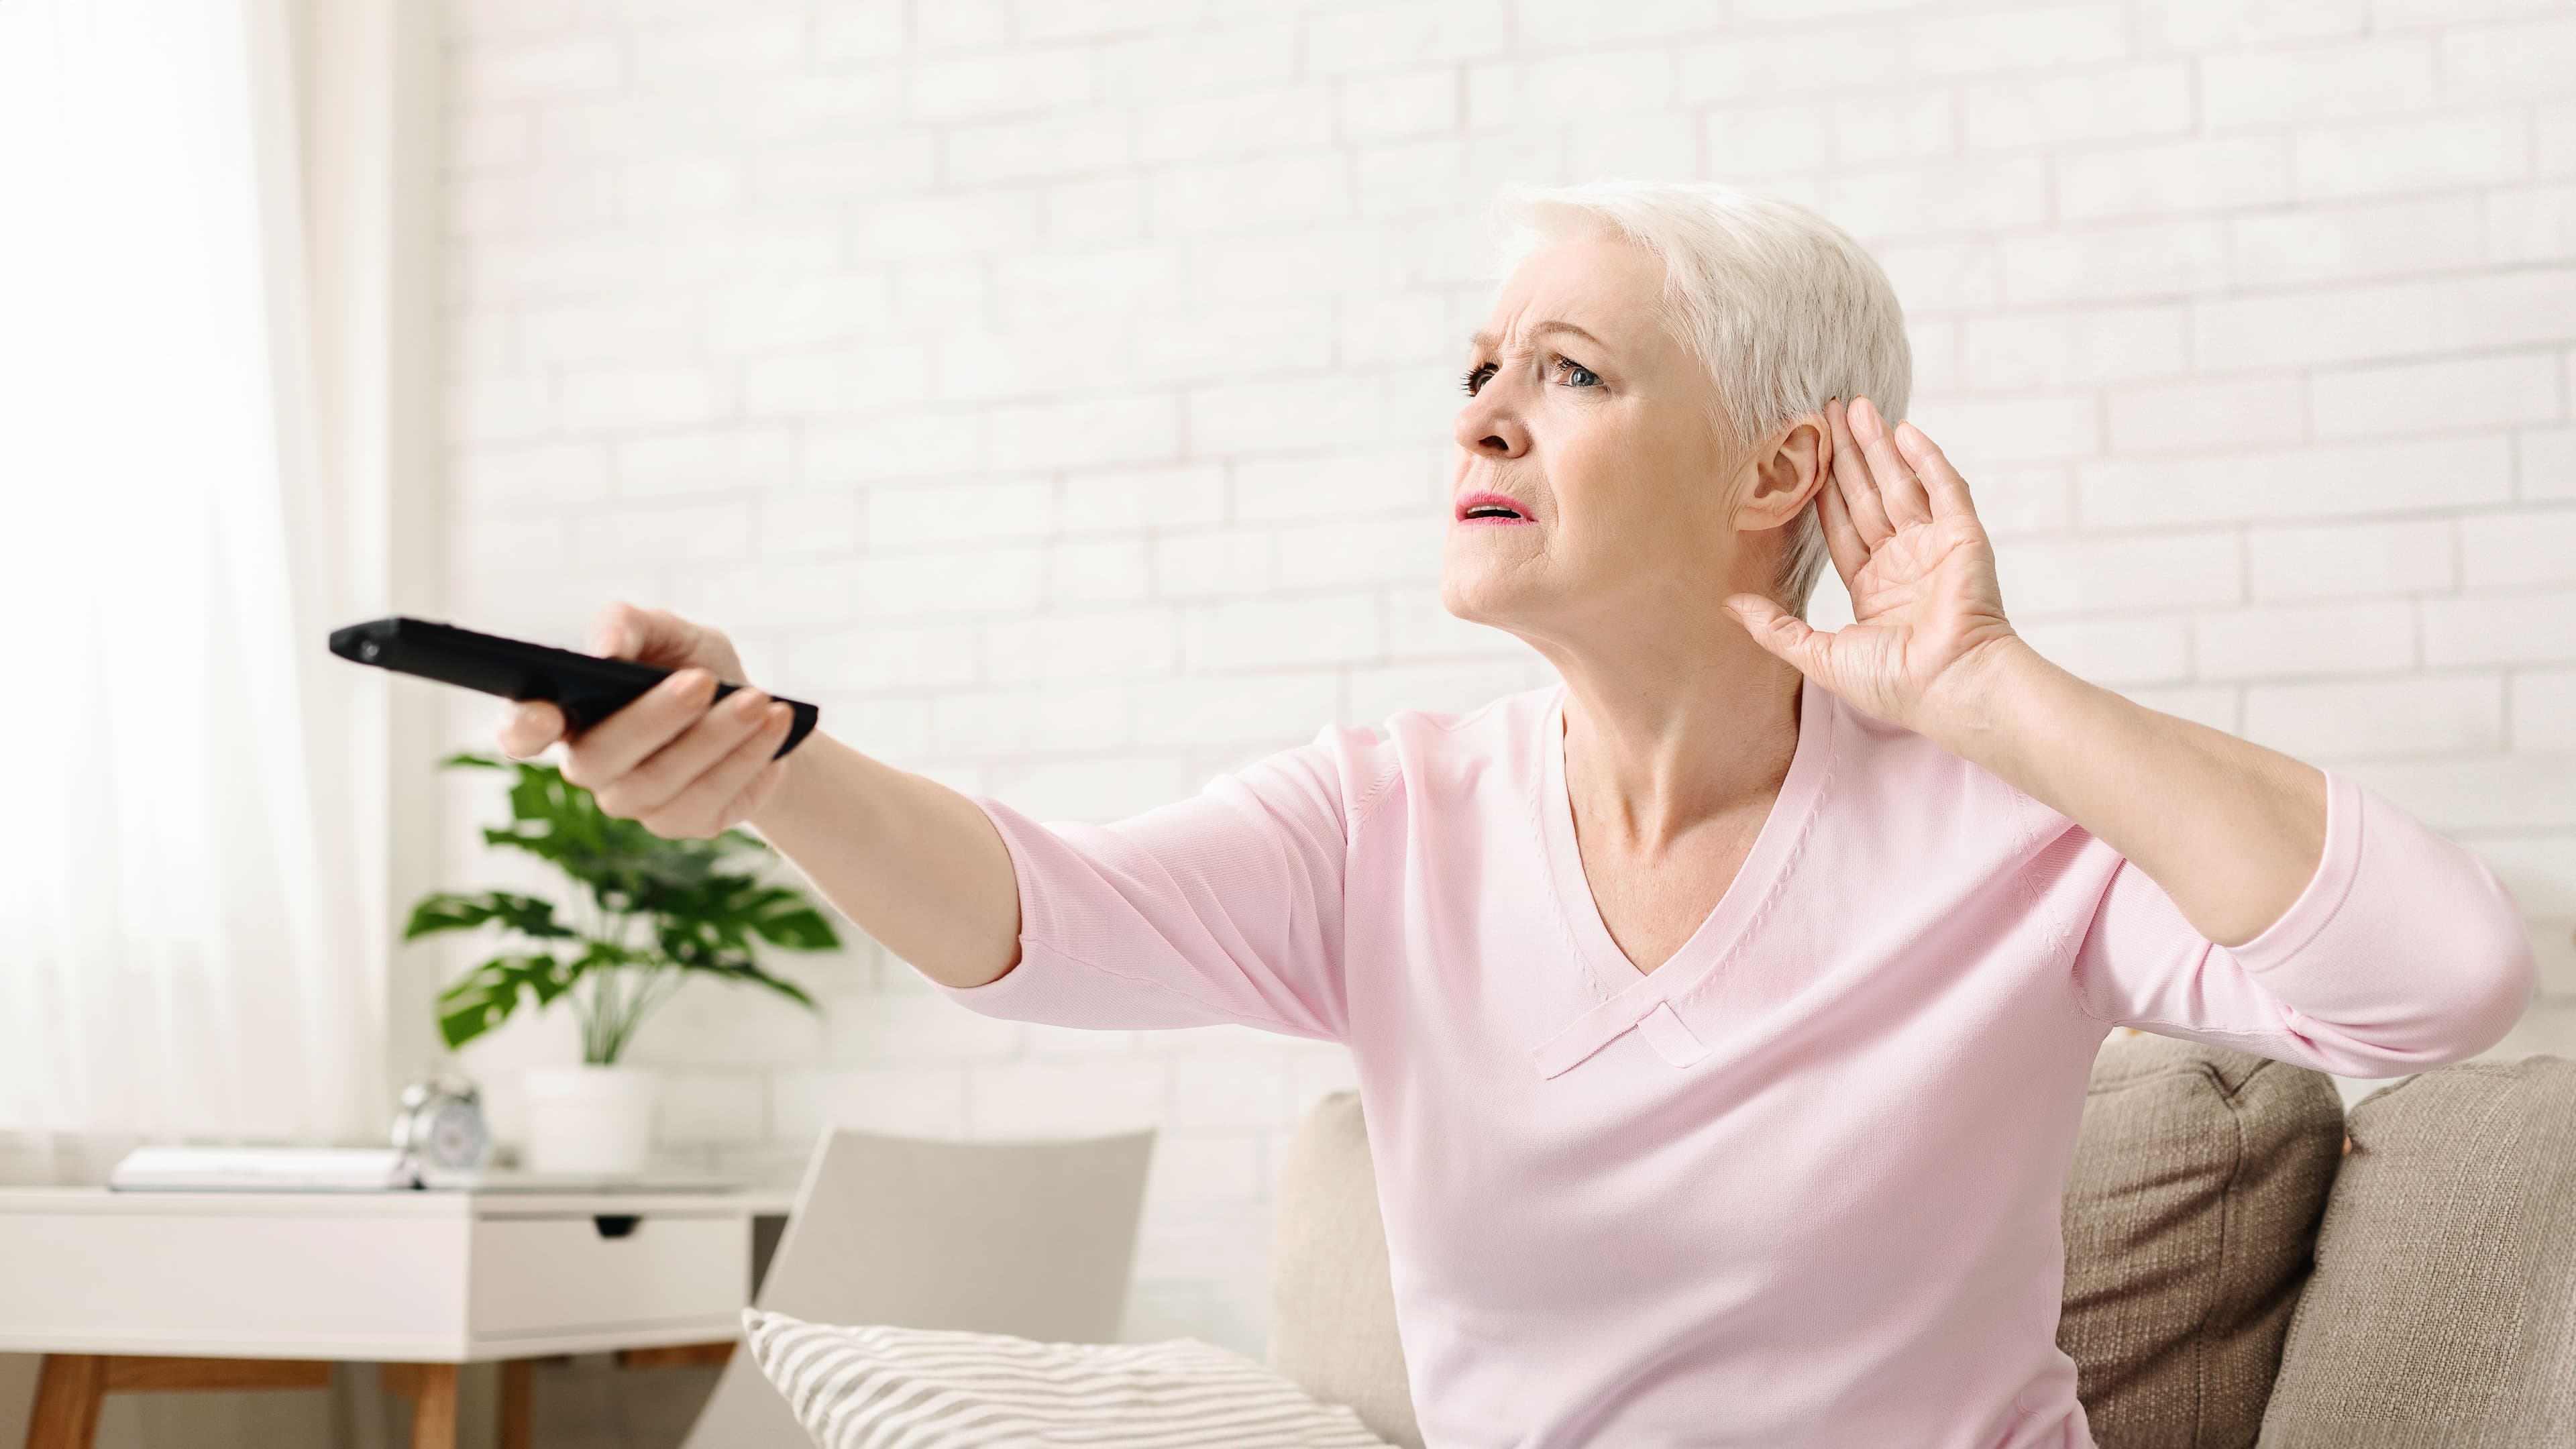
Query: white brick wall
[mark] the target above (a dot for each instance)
(1056, 391)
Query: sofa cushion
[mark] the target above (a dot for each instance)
(2443, 1305)
(2190, 1206)
(879, 1387)
(1332, 1318)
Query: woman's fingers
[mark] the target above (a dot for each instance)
(674, 758)
(1785, 635)
(617, 744)
(1852, 480)
(1842, 536)
(1949, 491)
(528, 728)
(671, 769)
(1899, 492)
(1834, 520)
(701, 808)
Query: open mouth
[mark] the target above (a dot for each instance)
(1491, 508)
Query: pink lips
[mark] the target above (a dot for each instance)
(1484, 507)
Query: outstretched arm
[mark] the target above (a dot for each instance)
(1222, 907)
(917, 865)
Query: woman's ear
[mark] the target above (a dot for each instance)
(1786, 475)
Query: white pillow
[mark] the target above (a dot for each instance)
(920, 1388)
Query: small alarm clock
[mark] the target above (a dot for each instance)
(441, 1124)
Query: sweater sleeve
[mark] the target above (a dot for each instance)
(2403, 952)
(1225, 907)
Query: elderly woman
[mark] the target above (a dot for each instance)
(1722, 1013)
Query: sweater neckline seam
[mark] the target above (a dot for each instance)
(1740, 909)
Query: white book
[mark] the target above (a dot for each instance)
(263, 1169)
(519, 1180)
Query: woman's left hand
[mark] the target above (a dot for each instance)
(1927, 616)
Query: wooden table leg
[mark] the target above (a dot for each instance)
(431, 1387)
(518, 1403)
(433, 1414)
(67, 1397)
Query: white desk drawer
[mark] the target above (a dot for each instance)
(537, 1275)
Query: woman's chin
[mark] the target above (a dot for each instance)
(1484, 595)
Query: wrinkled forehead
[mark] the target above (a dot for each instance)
(1602, 286)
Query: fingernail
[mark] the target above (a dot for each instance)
(780, 714)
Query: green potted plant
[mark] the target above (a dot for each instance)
(648, 915)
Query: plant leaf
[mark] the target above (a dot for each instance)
(784, 987)
(699, 912)
(484, 997)
(797, 926)
(526, 915)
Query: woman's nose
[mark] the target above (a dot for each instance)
(1487, 427)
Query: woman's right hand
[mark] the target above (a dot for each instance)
(675, 760)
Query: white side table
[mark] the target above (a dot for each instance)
(167, 1290)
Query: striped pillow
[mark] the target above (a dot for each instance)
(920, 1388)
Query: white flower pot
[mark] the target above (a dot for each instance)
(590, 1119)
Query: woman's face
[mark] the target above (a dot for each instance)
(1592, 488)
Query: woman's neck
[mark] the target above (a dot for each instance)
(1663, 733)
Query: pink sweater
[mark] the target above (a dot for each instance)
(1799, 1185)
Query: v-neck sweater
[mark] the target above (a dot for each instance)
(1799, 1184)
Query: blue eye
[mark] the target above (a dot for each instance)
(1576, 374)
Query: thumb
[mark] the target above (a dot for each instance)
(613, 631)
(1782, 633)
(650, 636)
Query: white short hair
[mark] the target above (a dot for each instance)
(1783, 307)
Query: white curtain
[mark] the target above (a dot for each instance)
(187, 949)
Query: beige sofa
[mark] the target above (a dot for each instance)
(2245, 1263)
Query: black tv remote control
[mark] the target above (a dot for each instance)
(587, 688)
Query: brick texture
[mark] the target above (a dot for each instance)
(1057, 391)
